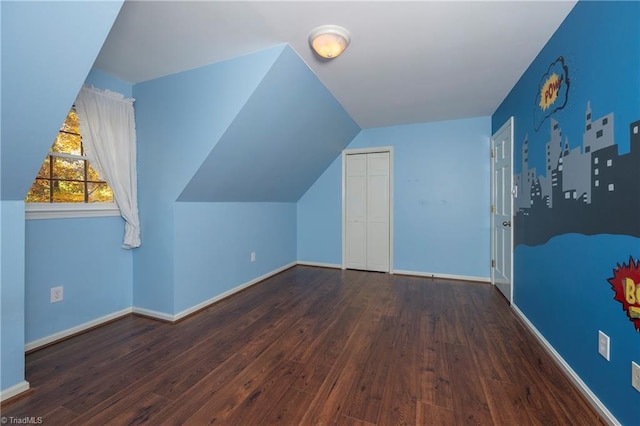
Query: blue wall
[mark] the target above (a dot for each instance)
(102, 80)
(213, 243)
(12, 293)
(179, 119)
(569, 299)
(35, 36)
(100, 282)
(319, 225)
(287, 133)
(35, 83)
(441, 199)
(257, 129)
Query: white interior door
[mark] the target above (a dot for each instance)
(356, 211)
(378, 212)
(501, 207)
(367, 211)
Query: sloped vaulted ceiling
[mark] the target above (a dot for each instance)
(284, 137)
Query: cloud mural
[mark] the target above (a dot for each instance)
(553, 92)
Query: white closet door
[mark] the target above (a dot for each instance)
(356, 211)
(367, 211)
(378, 212)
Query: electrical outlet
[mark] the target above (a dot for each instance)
(253, 256)
(603, 345)
(56, 294)
(635, 376)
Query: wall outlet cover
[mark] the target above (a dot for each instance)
(604, 345)
(56, 294)
(635, 376)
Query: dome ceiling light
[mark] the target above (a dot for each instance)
(329, 41)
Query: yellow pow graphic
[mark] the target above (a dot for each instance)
(549, 91)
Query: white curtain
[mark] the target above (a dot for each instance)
(108, 129)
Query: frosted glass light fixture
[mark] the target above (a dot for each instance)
(329, 41)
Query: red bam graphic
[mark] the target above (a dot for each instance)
(626, 284)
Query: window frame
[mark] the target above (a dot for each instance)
(69, 210)
(53, 210)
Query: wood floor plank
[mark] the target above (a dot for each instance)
(329, 402)
(427, 414)
(252, 410)
(401, 389)
(138, 410)
(364, 400)
(290, 409)
(434, 383)
(505, 403)
(311, 346)
(470, 405)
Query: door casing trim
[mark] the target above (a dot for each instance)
(510, 122)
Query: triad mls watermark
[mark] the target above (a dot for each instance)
(24, 420)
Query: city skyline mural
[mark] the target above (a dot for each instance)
(588, 189)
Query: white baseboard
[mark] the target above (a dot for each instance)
(228, 293)
(75, 330)
(162, 316)
(145, 312)
(319, 264)
(444, 276)
(23, 386)
(573, 376)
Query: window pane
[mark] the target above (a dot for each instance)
(71, 123)
(69, 144)
(44, 170)
(65, 168)
(68, 192)
(99, 193)
(92, 174)
(65, 178)
(39, 192)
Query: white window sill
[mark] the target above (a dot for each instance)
(69, 210)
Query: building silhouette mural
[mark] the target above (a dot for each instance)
(589, 189)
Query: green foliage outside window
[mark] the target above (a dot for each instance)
(66, 175)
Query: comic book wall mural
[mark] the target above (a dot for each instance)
(587, 188)
(577, 199)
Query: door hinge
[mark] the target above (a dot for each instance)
(493, 208)
(493, 263)
(493, 153)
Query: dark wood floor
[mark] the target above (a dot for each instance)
(311, 346)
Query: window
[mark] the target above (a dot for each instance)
(605, 121)
(599, 134)
(66, 181)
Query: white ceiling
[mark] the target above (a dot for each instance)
(408, 62)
